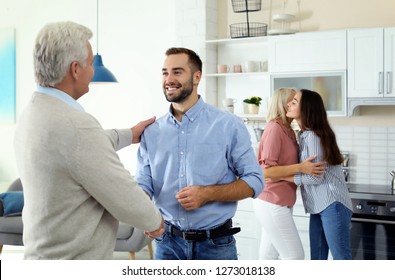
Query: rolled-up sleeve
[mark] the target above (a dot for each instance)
(244, 159)
(143, 174)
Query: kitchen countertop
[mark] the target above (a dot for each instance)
(374, 192)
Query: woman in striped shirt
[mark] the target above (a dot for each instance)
(325, 197)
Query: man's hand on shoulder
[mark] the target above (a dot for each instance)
(138, 129)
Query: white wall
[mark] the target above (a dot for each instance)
(133, 36)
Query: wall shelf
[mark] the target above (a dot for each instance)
(239, 85)
(261, 39)
(232, 74)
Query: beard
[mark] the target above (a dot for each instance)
(185, 92)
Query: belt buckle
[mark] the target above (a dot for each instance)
(188, 235)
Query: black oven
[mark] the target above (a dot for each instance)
(373, 223)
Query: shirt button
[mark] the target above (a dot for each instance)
(181, 153)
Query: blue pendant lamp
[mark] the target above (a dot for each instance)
(102, 74)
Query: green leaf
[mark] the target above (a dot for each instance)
(253, 100)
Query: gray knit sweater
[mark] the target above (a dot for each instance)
(76, 189)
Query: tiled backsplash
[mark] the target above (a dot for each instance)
(372, 153)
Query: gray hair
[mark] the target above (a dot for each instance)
(278, 104)
(57, 46)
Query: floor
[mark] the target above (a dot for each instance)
(16, 253)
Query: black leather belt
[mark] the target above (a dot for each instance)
(201, 235)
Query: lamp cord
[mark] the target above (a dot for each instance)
(97, 26)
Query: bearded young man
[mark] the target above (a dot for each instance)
(196, 162)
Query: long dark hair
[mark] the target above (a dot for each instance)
(314, 118)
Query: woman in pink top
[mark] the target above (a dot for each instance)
(278, 155)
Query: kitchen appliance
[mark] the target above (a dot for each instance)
(346, 166)
(373, 222)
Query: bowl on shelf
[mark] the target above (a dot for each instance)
(282, 24)
(281, 31)
(283, 17)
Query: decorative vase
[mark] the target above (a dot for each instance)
(250, 108)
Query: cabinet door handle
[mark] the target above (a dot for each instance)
(380, 83)
(389, 82)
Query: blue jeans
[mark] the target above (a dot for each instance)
(171, 247)
(330, 230)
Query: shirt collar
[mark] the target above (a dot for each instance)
(193, 112)
(61, 95)
(303, 134)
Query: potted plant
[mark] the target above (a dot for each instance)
(251, 105)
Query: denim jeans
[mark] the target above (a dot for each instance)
(330, 230)
(171, 247)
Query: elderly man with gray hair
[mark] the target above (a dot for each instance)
(76, 188)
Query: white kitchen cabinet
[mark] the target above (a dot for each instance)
(308, 52)
(247, 240)
(240, 86)
(302, 224)
(371, 62)
(371, 66)
(315, 61)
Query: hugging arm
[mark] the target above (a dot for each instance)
(306, 167)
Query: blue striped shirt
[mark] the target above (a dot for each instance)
(319, 192)
(208, 147)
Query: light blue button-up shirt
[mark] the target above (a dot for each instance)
(62, 96)
(208, 147)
